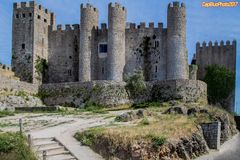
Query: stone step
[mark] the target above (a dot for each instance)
(46, 144)
(48, 149)
(36, 140)
(58, 153)
(61, 157)
(53, 151)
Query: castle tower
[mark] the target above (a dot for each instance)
(116, 41)
(177, 58)
(89, 22)
(29, 39)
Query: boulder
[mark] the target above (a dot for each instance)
(177, 110)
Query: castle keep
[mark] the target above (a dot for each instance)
(87, 52)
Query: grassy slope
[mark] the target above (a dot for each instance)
(13, 146)
(154, 130)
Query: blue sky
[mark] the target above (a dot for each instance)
(203, 24)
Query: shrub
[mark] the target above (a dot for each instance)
(87, 137)
(220, 82)
(6, 113)
(145, 121)
(135, 84)
(157, 141)
(14, 146)
(41, 67)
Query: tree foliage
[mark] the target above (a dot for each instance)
(41, 66)
(220, 81)
(135, 83)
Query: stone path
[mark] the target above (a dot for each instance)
(64, 134)
(51, 149)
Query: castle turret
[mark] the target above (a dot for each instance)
(89, 23)
(31, 24)
(116, 41)
(177, 63)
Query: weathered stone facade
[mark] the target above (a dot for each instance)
(30, 38)
(110, 93)
(89, 53)
(212, 134)
(220, 54)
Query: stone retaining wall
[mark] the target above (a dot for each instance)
(110, 93)
(14, 86)
(212, 134)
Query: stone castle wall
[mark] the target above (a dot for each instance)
(30, 38)
(124, 55)
(63, 54)
(221, 54)
(109, 93)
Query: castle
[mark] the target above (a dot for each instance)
(87, 52)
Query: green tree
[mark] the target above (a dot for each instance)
(135, 83)
(220, 81)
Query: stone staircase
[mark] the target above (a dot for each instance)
(51, 149)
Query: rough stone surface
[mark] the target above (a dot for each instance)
(111, 93)
(185, 148)
(212, 133)
(177, 110)
(133, 115)
(74, 54)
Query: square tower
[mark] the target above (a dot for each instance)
(30, 29)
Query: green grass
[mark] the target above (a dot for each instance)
(6, 113)
(145, 121)
(13, 146)
(87, 137)
(157, 141)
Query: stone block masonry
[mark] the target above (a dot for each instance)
(91, 52)
(110, 94)
(212, 134)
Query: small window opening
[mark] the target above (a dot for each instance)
(39, 17)
(102, 70)
(70, 57)
(23, 15)
(30, 14)
(23, 46)
(69, 72)
(156, 44)
(103, 48)
(156, 69)
(17, 15)
(45, 20)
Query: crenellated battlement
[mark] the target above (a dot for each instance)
(176, 4)
(5, 67)
(142, 25)
(89, 6)
(68, 27)
(116, 5)
(32, 4)
(216, 43)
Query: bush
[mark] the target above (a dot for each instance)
(135, 84)
(6, 113)
(145, 121)
(220, 82)
(88, 137)
(157, 141)
(14, 146)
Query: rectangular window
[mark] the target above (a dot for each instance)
(103, 48)
(23, 46)
(30, 14)
(23, 15)
(17, 15)
(45, 20)
(102, 70)
(39, 17)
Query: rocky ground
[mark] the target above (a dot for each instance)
(174, 119)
